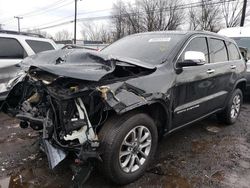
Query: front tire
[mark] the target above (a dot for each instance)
(128, 145)
(232, 111)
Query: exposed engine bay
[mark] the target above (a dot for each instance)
(68, 112)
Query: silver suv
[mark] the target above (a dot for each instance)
(14, 47)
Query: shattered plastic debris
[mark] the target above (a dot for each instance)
(219, 175)
(213, 129)
(157, 169)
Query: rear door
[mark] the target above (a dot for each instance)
(222, 74)
(11, 54)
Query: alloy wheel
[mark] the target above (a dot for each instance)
(235, 108)
(135, 149)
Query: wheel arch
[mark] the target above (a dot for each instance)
(158, 110)
(241, 84)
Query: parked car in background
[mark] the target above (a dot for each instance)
(14, 47)
(111, 106)
(241, 35)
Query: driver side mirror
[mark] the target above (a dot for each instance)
(192, 58)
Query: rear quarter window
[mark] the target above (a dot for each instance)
(233, 51)
(39, 46)
(10, 48)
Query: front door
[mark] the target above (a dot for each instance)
(192, 84)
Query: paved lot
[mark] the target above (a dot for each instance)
(206, 154)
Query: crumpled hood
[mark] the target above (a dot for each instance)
(78, 63)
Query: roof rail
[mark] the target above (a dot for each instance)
(22, 33)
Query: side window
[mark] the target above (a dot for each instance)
(39, 46)
(197, 44)
(218, 51)
(233, 51)
(11, 49)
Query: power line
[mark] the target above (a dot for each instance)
(50, 9)
(44, 10)
(184, 6)
(89, 12)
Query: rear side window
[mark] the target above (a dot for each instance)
(11, 49)
(233, 51)
(197, 44)
(39, 46)
(218, 51)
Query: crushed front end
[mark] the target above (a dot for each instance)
(66, 97)
(67, 113)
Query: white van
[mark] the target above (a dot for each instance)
(241, 35)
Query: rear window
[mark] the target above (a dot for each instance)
(39, 46)
(218, 51)
(11, 49)
(233, 51)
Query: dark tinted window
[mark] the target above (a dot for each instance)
(233, 51)
(39, 46)
(218, 52)
(11, 49)
(198, 44)
(148, 48)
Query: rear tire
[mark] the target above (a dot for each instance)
(128, 144)
(230, 114)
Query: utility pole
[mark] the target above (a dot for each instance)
(75, 22)
(243, 13)
(18, 21)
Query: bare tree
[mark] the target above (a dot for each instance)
(63, 35)
(193, 19)
(205, 17)
(105, 35)
(232, 11)
(94, 32)
(162, 14)
(146, 15)
(38, 31)
(175, 15)
(118, 20)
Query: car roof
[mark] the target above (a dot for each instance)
(22, 35)
(187, 34)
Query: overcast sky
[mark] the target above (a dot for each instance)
(42, 13)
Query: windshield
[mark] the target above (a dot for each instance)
(148, 48)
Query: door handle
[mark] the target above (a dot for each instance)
(233, 66)
(210, 71)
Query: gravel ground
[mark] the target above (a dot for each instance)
(206, 154)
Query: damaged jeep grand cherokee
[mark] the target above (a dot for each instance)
(110, 107)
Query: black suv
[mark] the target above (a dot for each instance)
(113, 105)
